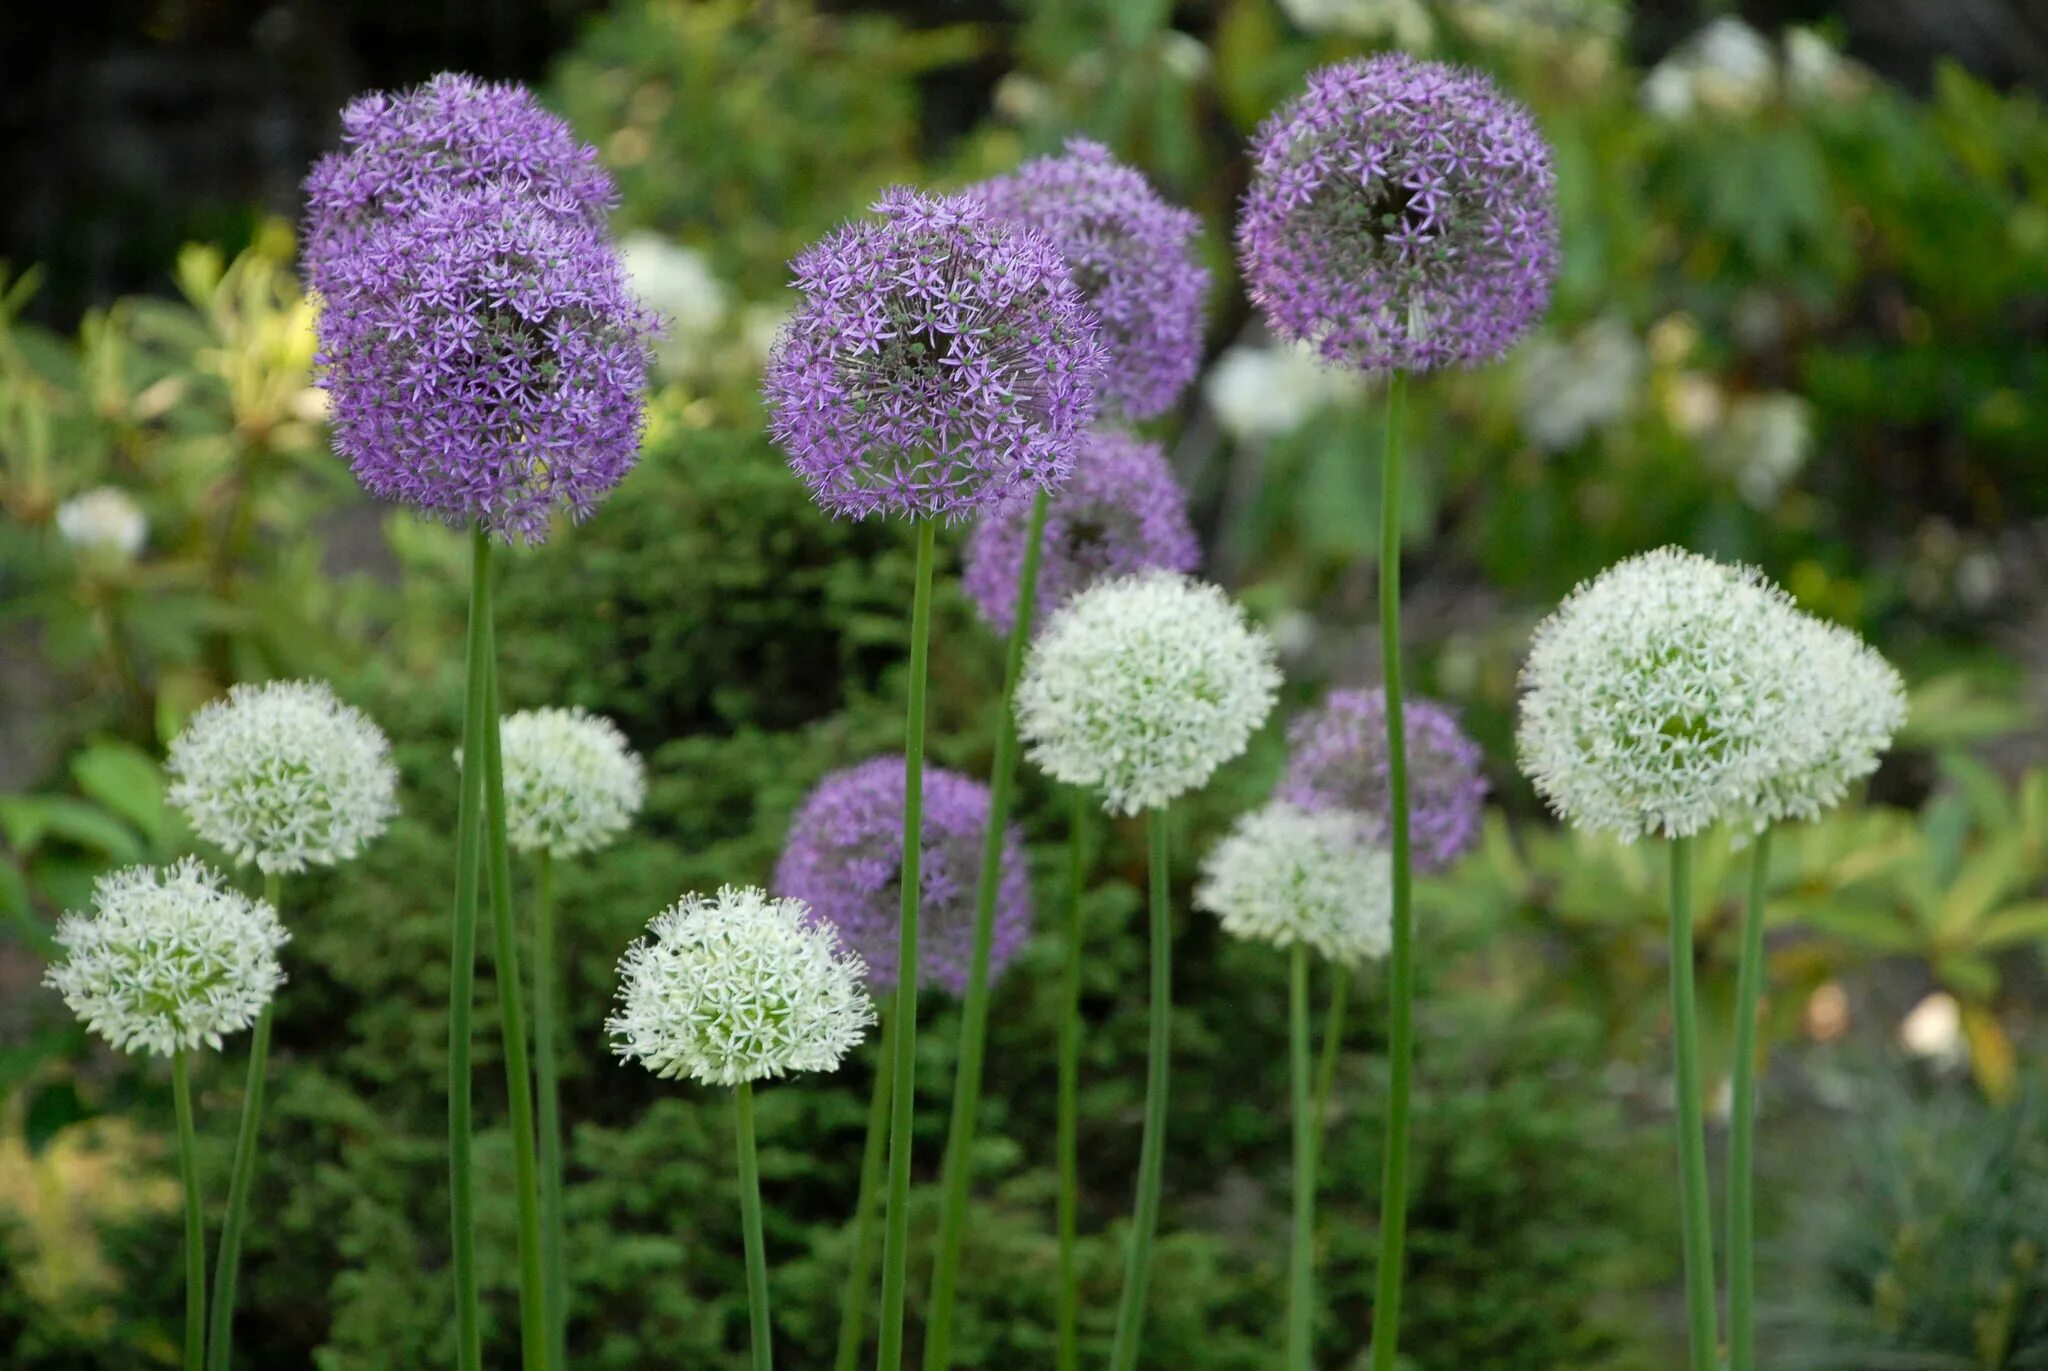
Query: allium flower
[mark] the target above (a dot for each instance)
(169, 958)
(1121, 511)
(572, 785)
(398, 152)
(845, 857)
(737, 988)
(1846, 717)
(1261, 392)
(1337, 759)
(104, 523)
(1400, 217)
(677, 285)
(1132, 255)
(486, 362)
(1142, 686)
(940, 359)
(283, 775)
(1286, 875)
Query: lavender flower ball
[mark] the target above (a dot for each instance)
(1401, 217)
(1121, 511)
(939, 360)
(1337, 759)
(1132, 256)
(486, 362)
(453, 133)
(845, 856)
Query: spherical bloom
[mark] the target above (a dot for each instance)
(1337, 759)
(1142, 686)
(104, 523)
(1401, 217)
(454, 133)
(486, 362)
(845, 860)
(169, 958)
(736, 988)
(1287, 875)
(572, 785)
(940, 358)
(1844, 721)
(1132, 255)
(1121, 511)
(283, 775)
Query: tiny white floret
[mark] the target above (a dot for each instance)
(1286, 875)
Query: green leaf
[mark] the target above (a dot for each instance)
(124, 779)
(31, 820)
(2016, 923)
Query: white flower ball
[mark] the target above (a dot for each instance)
(572, 785)
(1142, 686)
(1844, 721)
(169, 958)
(284, 775)
(737, 988)
(1286, 875)
(104, 523)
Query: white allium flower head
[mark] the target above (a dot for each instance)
(737, 988)
(1286, 875)
(104, 522)
(168, 958)
(1844, 722)
(572, 785)
(284, 775)
(1140, 687)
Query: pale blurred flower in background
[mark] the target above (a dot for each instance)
(104, 525)
(1693, 403)
(1725, 68)
(1403, 22)
(677, 283)
(1570, 387)
(1933, 1029)
(1262, 391)
(1763, 444)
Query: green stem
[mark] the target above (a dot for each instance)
(1333, 1045)
(547, 992)
(195, 1226)
(227, 1262)
(1301, 1272)
(1386, 1332)
(750, 1220)
(1692, 1136)
(462, 959)
(903, 1089)
(938, 1346)
(853, 1306)
(1130, 1315)
(1069, 1358)
(1742, 1136)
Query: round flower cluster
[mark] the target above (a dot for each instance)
(738, 988)
(940, 359)
(1142, 686)
(1121, 511)
(105, 524)
(486, 362)
(398, 152)
(1847, 717)
(283, 775)
(845, 860)
(1286, 875)
(1337, 759)
(169, 958)
(1401, 217)
(572, 785)
(1132, 256)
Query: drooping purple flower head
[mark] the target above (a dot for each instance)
(1132, 256)
(844, 857)
(940, 359)
(1121, 511)
(1337, 759)
(1401, 217)
(453, 133)
(485, 361)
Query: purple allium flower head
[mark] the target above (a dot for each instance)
(1121, 511)
(1337, 759)
(939, 360)
(844, 858)
(1401, 217)
(486, 361)
(1132, 255)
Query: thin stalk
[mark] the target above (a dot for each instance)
(1069, 1355)
(1130, 1315)
(750, 1220)
(903, 1089)
(1692, 1135)
(547, 992)
(938, 1346)
(1749, 986)
(227, 1262)
(1301, 1271)
(195, 1225)
(853, 1305)
(462, 960)
(1333, 1046)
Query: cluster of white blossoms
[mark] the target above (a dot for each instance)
(104, 523)
(737, 988)
(284, 775)
(1286, 875)
(168, 958)
(572, 785)
(1141, 687)
(1856, 702)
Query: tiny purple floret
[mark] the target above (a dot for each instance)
(1337, 759)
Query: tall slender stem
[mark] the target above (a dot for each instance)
(1749, 986)
(195, 1225)
(896, 1239)
(938, 1345)
(1692, 1136)
(853, 1305)
(1333, 1046)
(462, 959)
(1386, 1326)
(547, 991)
(1301, 1271)
(227, 1262)
(1069, 1311)
(750, 1221)
(1130, 1315)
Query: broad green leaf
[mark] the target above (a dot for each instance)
(124, 779)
